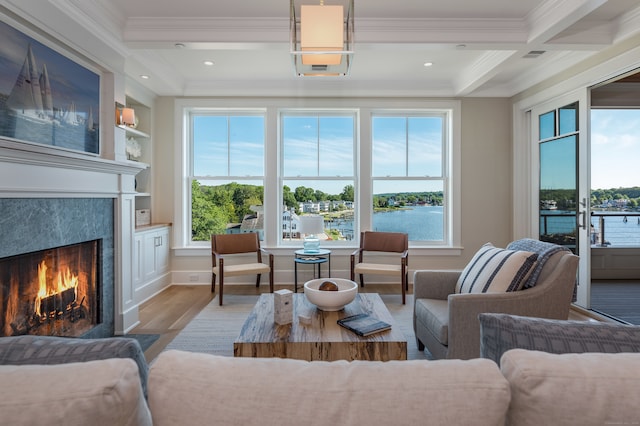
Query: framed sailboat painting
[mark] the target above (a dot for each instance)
(45, 97)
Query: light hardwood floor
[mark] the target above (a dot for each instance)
(171, 310)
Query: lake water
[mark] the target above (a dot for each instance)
(424, 223)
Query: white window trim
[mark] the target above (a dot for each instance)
(445, 177)
(272, 106)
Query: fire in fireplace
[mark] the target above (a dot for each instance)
(53, 292)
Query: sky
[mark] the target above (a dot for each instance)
(615, 148)
(615, 151)
(321, 145)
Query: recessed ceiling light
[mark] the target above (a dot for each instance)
(179, 46)
(428, 64)
(208, 63)
(144, 76)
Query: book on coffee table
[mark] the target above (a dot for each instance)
(364, 324)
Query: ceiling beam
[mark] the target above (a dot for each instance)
(554, 16)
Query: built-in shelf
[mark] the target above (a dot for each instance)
(142, 164)
(133, 131)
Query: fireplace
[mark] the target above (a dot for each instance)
(53, 292)
(57, 239)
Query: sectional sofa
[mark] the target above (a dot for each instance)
(529, 387)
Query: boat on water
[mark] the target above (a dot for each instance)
(548, 205)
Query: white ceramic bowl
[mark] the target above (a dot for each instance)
(331, 300)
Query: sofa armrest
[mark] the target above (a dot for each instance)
(49, 350)
(434, 284)
(500, 333)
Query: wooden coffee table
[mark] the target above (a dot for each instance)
(322, 339)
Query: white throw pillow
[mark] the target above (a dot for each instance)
(496, 270)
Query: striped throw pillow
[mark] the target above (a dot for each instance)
(496, 270)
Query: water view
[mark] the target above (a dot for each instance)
(425, 223)
(422, 223)
(621, 230)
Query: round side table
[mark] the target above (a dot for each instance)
(311, 258)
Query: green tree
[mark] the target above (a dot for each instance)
(347, 193)
(319, 195)
(206, 217)
(303, 194)
(288, 198)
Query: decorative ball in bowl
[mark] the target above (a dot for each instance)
(330, 294)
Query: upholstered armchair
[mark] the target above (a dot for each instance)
(243, 256)
(446, 322)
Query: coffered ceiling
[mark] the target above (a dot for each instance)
(477, 48)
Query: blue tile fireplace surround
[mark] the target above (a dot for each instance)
(32, 224)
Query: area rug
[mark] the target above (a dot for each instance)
(216, 327)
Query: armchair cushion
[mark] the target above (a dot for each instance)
(433, 315)
(243, 269)
(496, 270)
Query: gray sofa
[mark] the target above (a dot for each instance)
(447, 324)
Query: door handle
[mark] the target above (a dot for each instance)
(582, 225)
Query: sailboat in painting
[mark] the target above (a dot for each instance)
(45, 89)
(26, 96)
(31, 97)
(45, 97)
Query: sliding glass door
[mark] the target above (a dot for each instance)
(560, 132)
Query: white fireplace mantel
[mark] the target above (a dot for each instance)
(39, 171)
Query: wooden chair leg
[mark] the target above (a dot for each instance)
(258, 280)
(271, 281)
(361, 280)
(213, 283)
(220, 293)
(404, 283)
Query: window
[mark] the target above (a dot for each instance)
(318, 173)
(227, 173)
(409, 175)
(260, 165)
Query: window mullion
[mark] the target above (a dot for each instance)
(318, 145)
(229, 145)
(406, 147)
